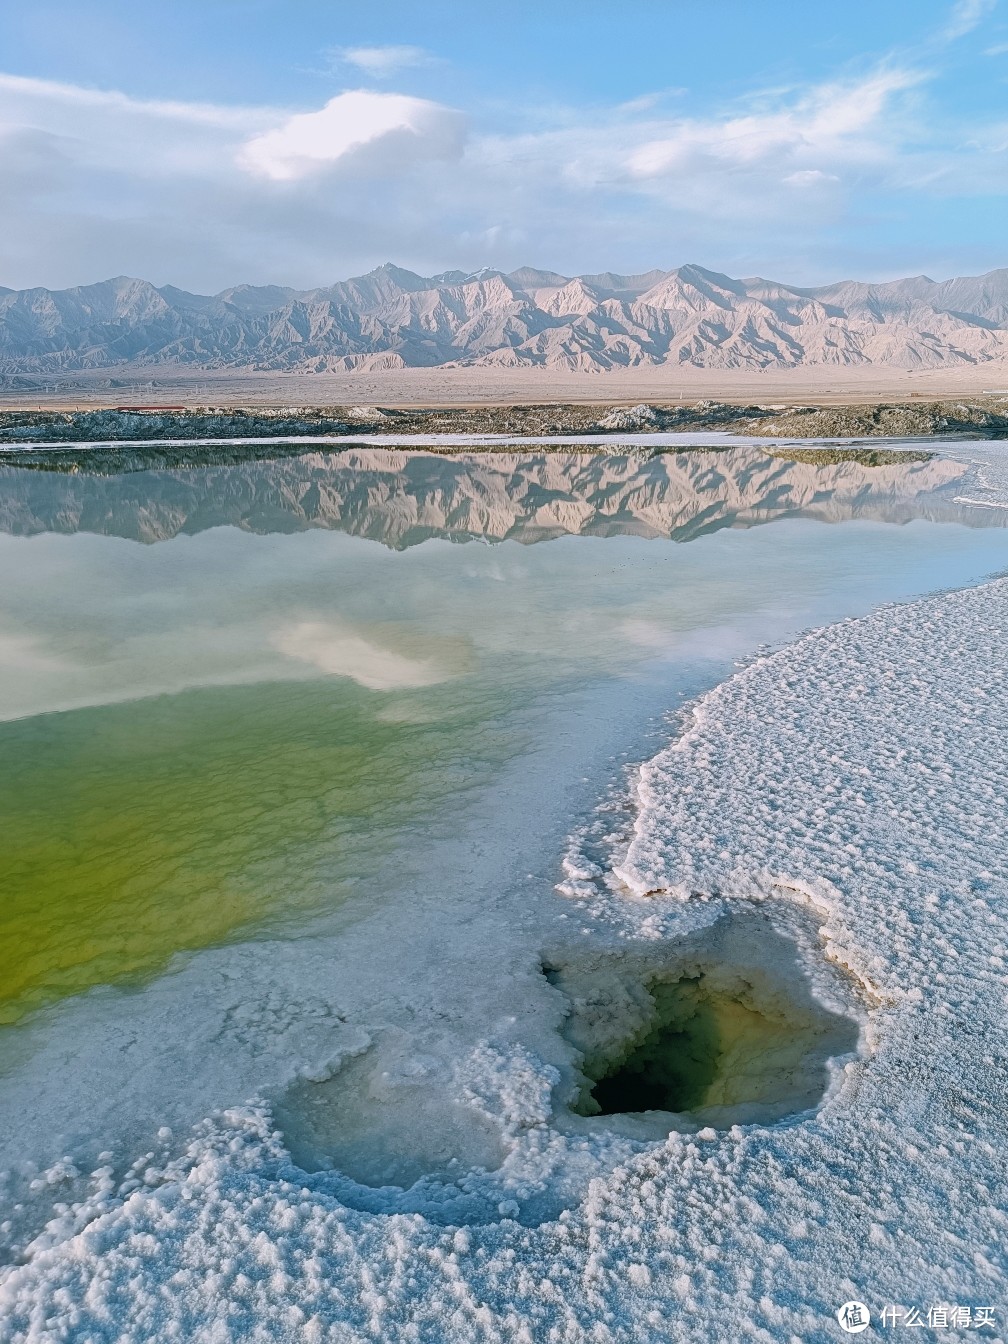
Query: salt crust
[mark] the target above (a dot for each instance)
(863, 770)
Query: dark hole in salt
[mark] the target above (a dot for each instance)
(719, 1042)
(674, 1064)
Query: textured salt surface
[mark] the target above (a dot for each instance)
(856, 779)
(988, 485)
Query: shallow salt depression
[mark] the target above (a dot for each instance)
(396, 1075)
(721, 1028)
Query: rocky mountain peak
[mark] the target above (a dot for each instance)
(393, 317)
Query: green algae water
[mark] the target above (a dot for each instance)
(216, 734)
(138, 830)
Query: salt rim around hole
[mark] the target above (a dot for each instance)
(744, 1021)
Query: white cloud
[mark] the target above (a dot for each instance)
(395, 129)
(810, 177)
(381, 62)
(966, 15)
(204, 196)
(28, 95)
(837, 121)
(143, 138)
(339, 651)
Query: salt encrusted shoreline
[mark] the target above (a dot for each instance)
(983, 417)
(863, 769)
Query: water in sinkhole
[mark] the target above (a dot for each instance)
(741, 1022)
(714, 1048)
(729, 1032)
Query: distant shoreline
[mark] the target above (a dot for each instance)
(651, 426)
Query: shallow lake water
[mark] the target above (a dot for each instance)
(292, 752)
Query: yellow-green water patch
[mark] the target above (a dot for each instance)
(135, 831)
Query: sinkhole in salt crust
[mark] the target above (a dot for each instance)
(743, 1023)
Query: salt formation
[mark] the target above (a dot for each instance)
(853, 784)
(718, 1028)
(633, 417)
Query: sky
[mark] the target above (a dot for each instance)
(208, 143)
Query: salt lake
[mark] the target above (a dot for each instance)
(317, 777)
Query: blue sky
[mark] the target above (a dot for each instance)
(294, 141)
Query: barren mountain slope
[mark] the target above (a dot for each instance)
(689, 317)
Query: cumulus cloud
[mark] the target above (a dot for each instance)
(204, 196)
(378, 131)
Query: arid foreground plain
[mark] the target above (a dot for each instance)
(819, 385)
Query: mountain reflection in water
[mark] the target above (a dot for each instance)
(402, 498)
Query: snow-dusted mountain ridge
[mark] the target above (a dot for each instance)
(395, 318)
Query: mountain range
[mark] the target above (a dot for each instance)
(392, 318)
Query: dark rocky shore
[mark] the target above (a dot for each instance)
(162, 429)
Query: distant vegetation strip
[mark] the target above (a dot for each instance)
(832, 455)
(980, 418)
